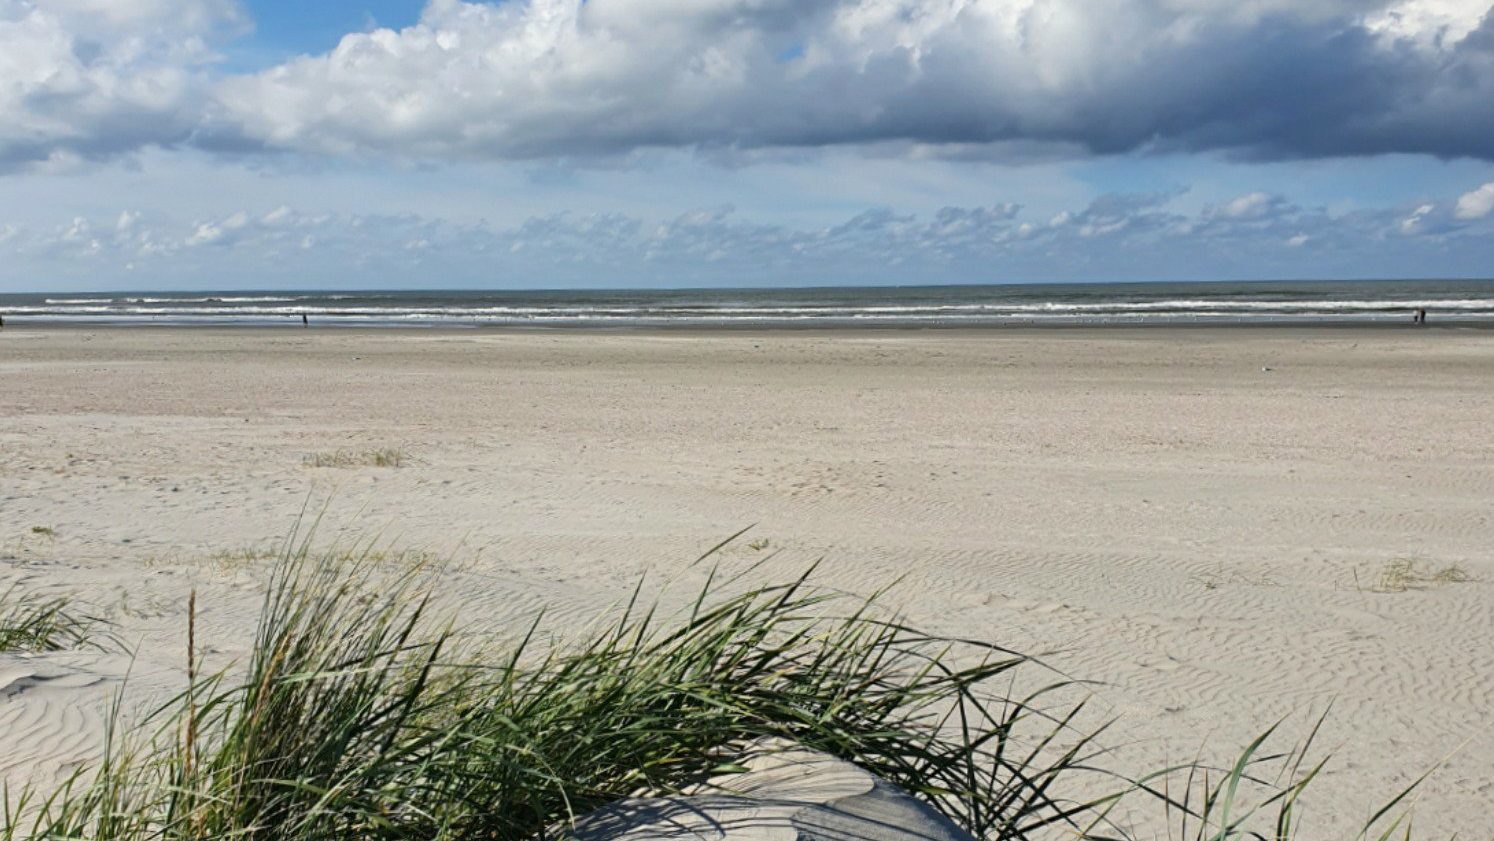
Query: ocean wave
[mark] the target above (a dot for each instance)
(913, 306)
(137, 306)
(207, 300)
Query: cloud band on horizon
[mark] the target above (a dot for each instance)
(1113, 237)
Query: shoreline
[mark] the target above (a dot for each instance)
(1284, 327)
(983, 307)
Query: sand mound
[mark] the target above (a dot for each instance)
(793, 795)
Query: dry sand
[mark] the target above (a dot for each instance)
(1196, 519)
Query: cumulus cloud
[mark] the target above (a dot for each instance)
(528, 79)
(1476, 204)
(542, 78)
(83, 79)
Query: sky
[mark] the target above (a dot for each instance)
(242, 144)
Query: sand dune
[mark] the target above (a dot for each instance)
(1199, 521)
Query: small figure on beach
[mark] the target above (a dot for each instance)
(1420, 317)
(305, 322)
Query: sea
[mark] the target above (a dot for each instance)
(1461, 302)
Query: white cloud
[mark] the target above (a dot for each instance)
(548, 78)
(1416, 221)
(205, 233)
(79, 229)
(1430, 22)
(529, 79)
(1476, 204)
(1248, 206)
(90, 78)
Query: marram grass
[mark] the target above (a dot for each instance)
(32, 623)
(360, 716)
(378, 457)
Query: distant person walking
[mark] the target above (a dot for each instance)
(1420, 317)
(305, 322)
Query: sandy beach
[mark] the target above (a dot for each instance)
(1206, 523)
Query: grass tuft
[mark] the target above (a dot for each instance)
(1402, 574)
(345, 458)
(1451, 574)
(31, 623)
(244, 557)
